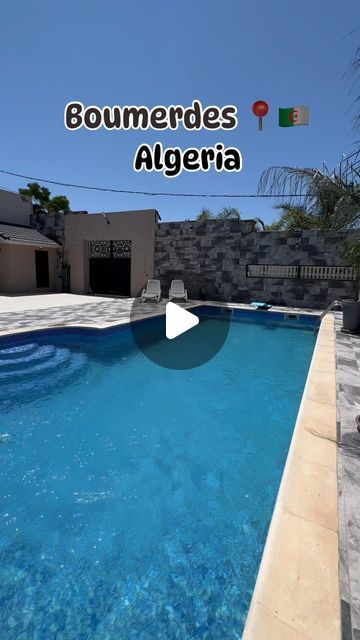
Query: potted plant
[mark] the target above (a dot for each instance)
(351, 308)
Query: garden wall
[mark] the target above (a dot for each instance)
(51, 225)
(215, 260)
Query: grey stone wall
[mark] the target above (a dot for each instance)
(211, 258)
(51, 225)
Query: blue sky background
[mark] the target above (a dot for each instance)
(161, 52)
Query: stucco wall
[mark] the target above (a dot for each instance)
(137, 226)
(14, 208)
(211, 258)
(17, 270)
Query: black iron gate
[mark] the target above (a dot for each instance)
(110, 267)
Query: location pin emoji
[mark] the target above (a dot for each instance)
(260, 109)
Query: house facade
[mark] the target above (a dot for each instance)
(110, 253)
(30, 262)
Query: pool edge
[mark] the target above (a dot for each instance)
(103, 326)
(296, 594)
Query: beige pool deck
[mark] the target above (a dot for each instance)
(297, 590)
(296, 596)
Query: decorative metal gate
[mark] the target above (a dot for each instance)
(110, 266)
(110, 248)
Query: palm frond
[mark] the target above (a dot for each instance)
(331, 199)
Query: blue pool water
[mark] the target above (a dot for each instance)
(135, 500)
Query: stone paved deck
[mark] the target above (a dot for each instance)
(348, 407)
(100, 314)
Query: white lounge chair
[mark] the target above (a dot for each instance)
(152, 291)
(177, 291)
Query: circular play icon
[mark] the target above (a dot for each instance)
(181, 336)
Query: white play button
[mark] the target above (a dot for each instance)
(178, 320)
(210, 328)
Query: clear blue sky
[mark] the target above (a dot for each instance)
(162, 52)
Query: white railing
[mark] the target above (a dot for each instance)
(272, 271)
(297, 271)
(327, 273)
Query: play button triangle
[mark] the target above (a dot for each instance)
(178, 320)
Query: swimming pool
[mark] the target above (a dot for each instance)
(136, 499)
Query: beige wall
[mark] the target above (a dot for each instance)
(137, 226)
(17, 269)
(14, 209)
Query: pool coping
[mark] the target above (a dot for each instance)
(191, 304)
(296, 595)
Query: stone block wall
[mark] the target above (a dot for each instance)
(211, 257)
(51, 225)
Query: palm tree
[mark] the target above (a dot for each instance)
(355, 70)
(261, 224)
(205, 214)
(318, 199)
(228, 213)
(293, 218)
(330, 200)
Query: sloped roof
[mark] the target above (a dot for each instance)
(24, 235)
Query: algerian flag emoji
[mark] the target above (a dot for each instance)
(293, 116)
